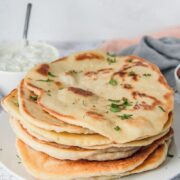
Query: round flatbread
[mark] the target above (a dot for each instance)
(61, 169)
(122, 98)
(69, 152)
(88, 141)
(35, 115)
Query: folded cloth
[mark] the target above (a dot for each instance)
(164, 52)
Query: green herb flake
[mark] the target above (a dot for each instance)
(51, 74)
(111, 58)
(131, 73)
(130, 60)
(115, 108)
(170, 155)
(48, 92)
(16, 103)
(19, 162)
(115, 101)
(84, 104)
(45, 80)
(113, 82)
(146, 74)
(125, 116)
(17, 156)
(74, 72)
(161, 108)
(117, 128)
(33, 97)
(126, 102)
(118, 107)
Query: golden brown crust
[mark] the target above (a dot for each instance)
(43, 69)
(80, 92)
(61, 59)
(81, 168)
(90, 55)
(95, 115)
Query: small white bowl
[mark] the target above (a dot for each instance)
(177, 79)
(10, 80)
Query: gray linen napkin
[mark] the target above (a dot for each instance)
(164, 52)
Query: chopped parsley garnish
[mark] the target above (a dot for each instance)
(111, 58)
(115, 101)
(17, 156)
(48, 92)
(125, 116)
(118, 107)
(130, 60)
(51, 74)
(74, 72)
(126, 102)
(83, 102)
(161, 108)
(45, 80)
(113, 82)
(19, 162)
(117, 128)
(16, 103)
(33, 97)
(131, 73)
(146, 74)
(115, 107)
(170, 155)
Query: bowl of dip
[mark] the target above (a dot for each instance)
(177, 78)
(16, 59)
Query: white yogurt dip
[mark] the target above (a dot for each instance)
(16, 57)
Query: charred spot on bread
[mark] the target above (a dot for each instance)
(43, 69)
(80, 91)
(90, 55)
(94, 115)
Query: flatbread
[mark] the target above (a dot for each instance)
(34, 114)
(88, 141)
(69, 152)
(45, 167)
(122, 98)
(153, 161)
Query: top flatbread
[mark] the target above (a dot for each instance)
(122, 98)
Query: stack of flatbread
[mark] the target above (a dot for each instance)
(91, 115)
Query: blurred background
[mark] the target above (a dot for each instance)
(82, 20)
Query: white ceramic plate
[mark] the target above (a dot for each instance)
(10, 160)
